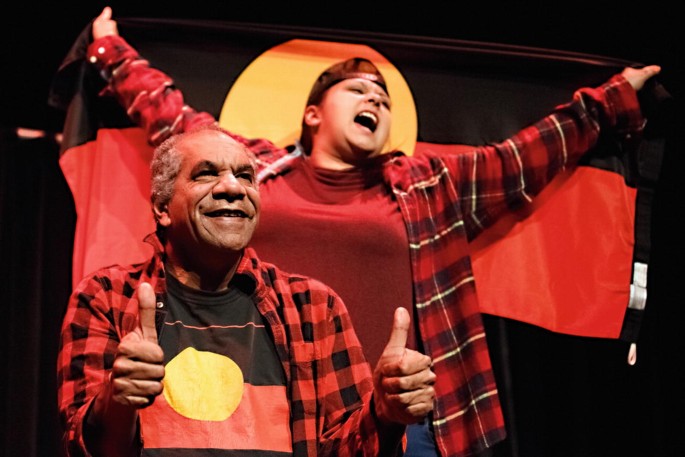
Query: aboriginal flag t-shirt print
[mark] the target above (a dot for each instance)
(224, 387)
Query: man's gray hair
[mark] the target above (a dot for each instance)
(165, 166)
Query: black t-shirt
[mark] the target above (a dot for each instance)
(224, 386)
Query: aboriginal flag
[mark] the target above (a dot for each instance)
(576, 262)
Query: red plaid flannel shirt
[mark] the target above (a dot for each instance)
(328, 377)
(445, 202)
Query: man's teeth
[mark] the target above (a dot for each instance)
(227, 213)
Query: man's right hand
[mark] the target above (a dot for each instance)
(135, 381)
(104, 25)
(138, 368)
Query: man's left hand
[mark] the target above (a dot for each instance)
(403, 379)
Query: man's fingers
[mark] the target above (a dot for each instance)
(139, 396)
(137, 387)
(403, 382)
(400, 329)
(146, 312)
(409, 407)
(136, 383)
(145, 363)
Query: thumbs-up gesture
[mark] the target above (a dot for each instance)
(104, 25)
(138, 368)
(403, 380)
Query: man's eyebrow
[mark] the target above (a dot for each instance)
(204, 164)
(245, 167)
(209, 165)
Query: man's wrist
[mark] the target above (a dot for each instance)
(390, 433)
(108, 423)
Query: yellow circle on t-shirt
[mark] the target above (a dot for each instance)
(203, 385)
(268, 98)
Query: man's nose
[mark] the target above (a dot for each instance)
(228, 185)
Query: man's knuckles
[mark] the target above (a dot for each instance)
(134, 347)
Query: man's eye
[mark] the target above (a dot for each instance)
(249, 177)
(204, 173)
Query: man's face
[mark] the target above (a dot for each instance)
(352, 121)
(215, 203)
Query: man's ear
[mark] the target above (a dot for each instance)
(311, 116)
(162, 214)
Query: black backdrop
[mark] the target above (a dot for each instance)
(564, 396)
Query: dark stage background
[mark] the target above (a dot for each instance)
(565, 396)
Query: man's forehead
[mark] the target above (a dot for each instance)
(209, 135)
(212, 146)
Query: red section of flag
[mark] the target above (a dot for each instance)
(110, 181)
(160, 424)
(565, 263)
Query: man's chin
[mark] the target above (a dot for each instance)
(226, 244)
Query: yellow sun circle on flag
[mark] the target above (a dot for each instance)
(268, 99)
(203, 385)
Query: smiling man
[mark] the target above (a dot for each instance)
(206, 350)
(214, 209)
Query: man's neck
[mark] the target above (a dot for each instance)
(206, 276)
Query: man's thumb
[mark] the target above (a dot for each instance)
(400, 329)
(146, 311)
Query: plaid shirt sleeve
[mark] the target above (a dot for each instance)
(99, 312)
(147, 94)
(447, 199)
(494, 179)
(150, 98)
(349, 425)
